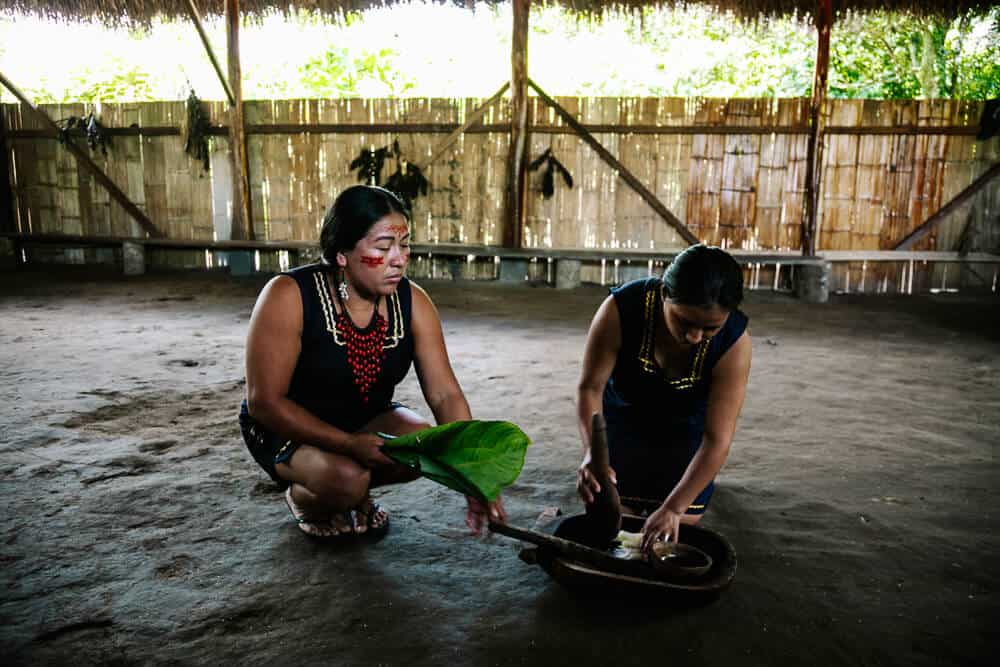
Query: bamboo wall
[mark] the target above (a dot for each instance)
(734, 190)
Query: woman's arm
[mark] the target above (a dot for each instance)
(725, 400)
(272, 350)
(441, 390)
(599, 356)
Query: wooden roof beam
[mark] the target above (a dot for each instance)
(242, 214)
(517, 172)
(814, 152)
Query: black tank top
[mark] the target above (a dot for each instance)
(641, 403)
(323, 381)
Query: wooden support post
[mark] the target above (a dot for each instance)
(516, 163)
(7, 221)
(814, 151)
(925, 228)
(469, 122)
(196, 19)
(82, 159)
(242, 224)
(622, 170)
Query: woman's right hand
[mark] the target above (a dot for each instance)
(366, 449)
(587, 485)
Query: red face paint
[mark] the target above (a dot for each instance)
(402, 230)
(372, 261)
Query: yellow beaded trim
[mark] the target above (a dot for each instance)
(647, 359)
(392, 338)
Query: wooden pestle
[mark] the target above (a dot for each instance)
(604, 514)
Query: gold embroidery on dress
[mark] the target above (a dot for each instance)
(392, 338)
(647, 359)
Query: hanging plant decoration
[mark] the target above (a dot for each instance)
(88, 126)
(198, 127)
(407, 181)
(369, 164)
(552, 165)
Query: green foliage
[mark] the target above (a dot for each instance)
(103, 82)
(117, 82)
(476, 458)
(901, 56)
(684, 51)
(339, 73)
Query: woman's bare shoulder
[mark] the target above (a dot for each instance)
(280, 296)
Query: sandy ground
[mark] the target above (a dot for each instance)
(861, 493)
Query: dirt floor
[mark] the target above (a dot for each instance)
(861, 492)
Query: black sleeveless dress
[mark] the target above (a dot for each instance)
(323, 381)
(655, 423)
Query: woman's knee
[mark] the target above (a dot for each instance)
(344, 483)
(337, 481)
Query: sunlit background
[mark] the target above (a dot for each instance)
(434, 50)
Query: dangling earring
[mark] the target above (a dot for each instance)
(342, 290)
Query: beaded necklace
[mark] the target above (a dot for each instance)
(364, 347)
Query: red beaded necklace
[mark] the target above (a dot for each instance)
(364, 348)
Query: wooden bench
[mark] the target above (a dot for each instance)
(812, 273)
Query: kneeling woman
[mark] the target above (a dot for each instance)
(327, 345)
(667, 362)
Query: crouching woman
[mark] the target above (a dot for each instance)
(326, 347)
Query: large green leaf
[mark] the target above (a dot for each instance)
(476, 458)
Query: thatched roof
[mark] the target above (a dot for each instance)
(115, 12)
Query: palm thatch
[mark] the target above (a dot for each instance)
(117, 12)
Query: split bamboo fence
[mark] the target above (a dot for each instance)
(732, 169)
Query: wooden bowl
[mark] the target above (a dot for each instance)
(684, 589)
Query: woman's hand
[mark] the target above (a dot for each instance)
(480, 513)
(663, 525)
(366, 449)
(587, 485)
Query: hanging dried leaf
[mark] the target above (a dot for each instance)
(198, 126)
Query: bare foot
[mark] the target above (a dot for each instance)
(318, 526)
(370, 516)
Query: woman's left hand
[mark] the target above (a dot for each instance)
(663, 525)
(479, 513)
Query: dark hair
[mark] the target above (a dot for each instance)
(352, 214)
(704, 276)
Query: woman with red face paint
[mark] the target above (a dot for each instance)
(327, 345)
(666, 362)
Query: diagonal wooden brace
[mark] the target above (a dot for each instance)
(472, 118)
(622, 170)
(84, 159)
(928, 225)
